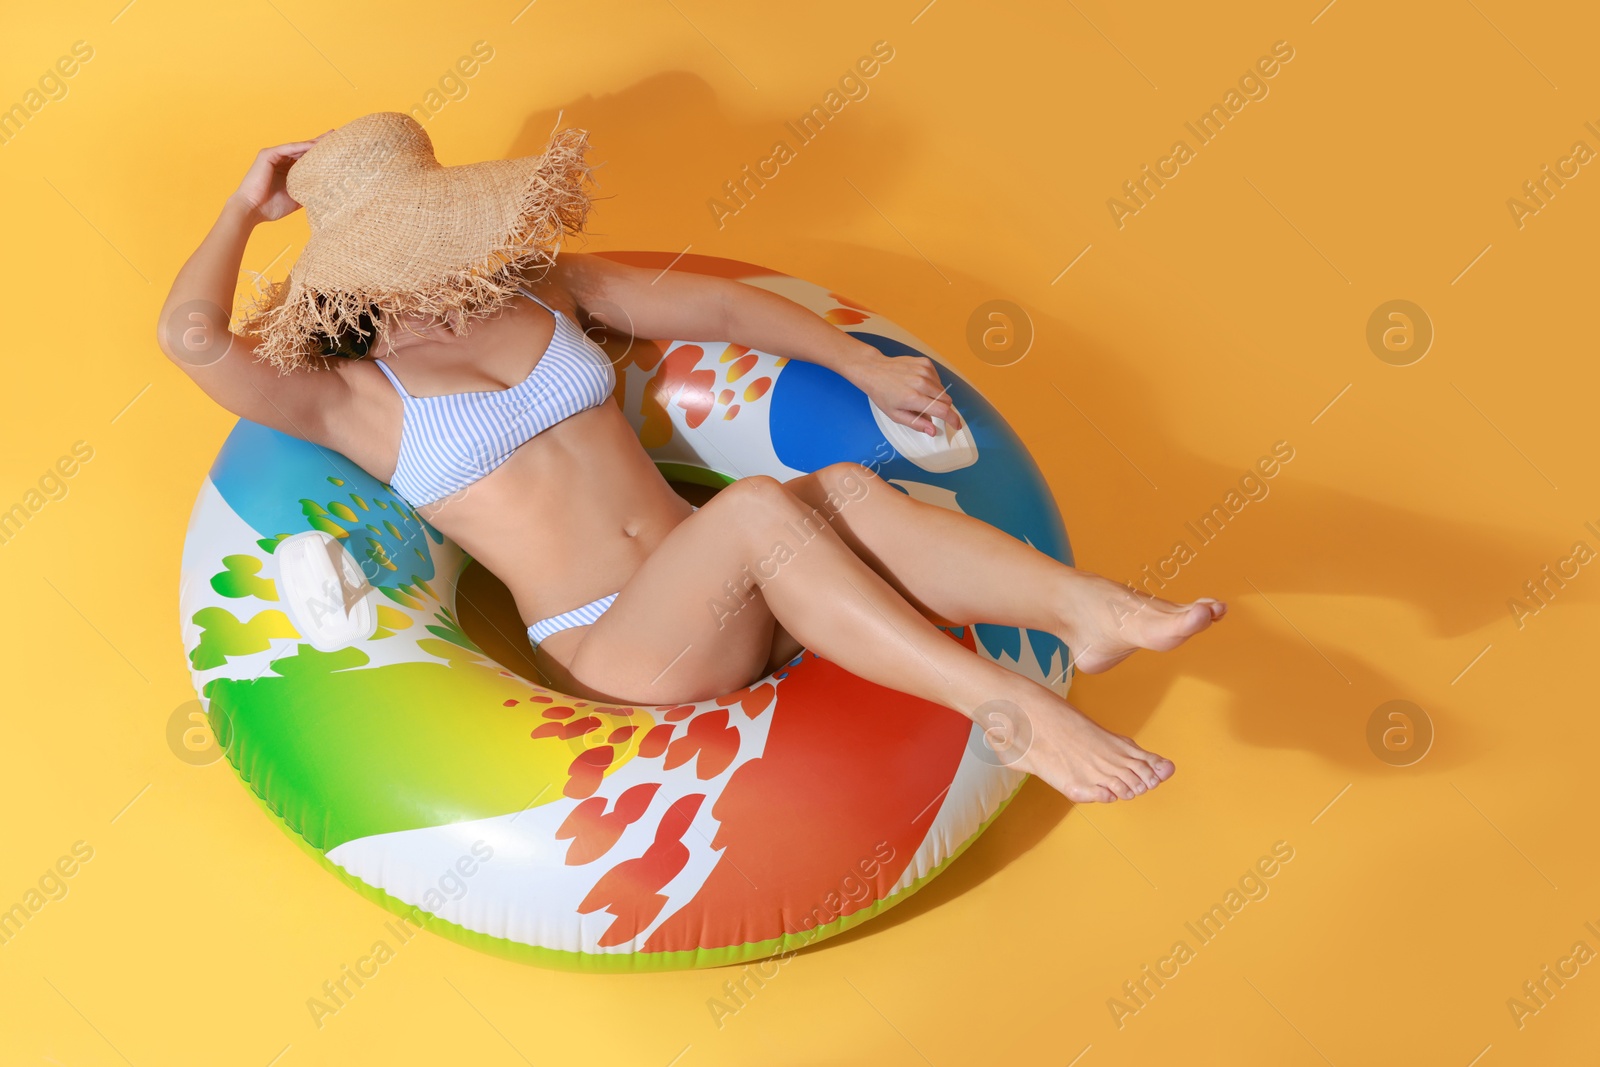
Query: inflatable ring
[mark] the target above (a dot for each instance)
(321, 625)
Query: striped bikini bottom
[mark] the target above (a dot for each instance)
(582, 616)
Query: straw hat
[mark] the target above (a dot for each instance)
(394, 231)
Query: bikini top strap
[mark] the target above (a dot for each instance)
(394, 381)
(525, 292)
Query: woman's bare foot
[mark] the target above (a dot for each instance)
(1105, 622)
(1074, 755)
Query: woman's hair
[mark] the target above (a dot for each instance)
(353, 343)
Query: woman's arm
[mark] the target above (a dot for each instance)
(648, 303)
(193, 328)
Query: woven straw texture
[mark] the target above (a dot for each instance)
(394, 231)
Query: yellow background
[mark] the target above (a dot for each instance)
(1223, 317)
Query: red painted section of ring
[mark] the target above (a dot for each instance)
(824, 822)
(680, 383)
(632, 889)
(709, 741)
(593, 830)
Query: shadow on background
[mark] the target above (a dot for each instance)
(639, 134)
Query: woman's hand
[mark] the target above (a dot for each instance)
(908, 390)
(263, 192)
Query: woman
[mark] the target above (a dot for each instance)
(481, 400)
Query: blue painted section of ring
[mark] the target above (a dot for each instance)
(268, 478)
(818, 418)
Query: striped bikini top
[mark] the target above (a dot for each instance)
(448, 442)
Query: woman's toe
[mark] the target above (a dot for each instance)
(1146, 773)
(1130, 778)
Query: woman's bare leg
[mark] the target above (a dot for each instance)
(958, 570)
(698, 617)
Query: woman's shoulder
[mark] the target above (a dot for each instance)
(555, 284)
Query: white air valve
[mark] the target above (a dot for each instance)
(329, 600)
(949, 451)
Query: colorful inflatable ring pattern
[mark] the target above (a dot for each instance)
(319, 618)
